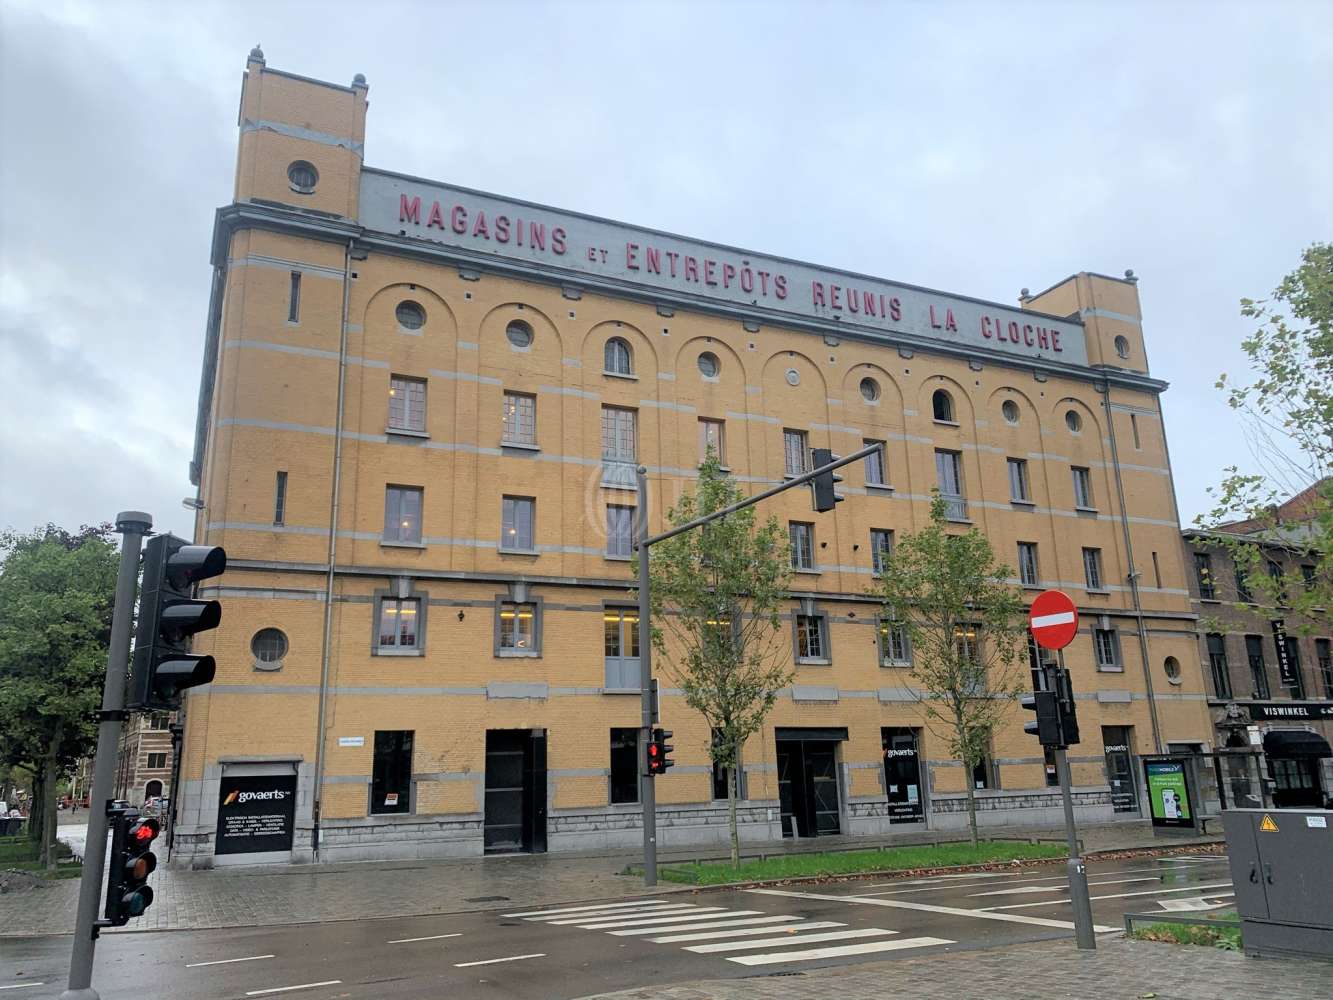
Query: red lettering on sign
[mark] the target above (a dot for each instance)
(895, 309)
(518, 230)
(479, 227)
(691, 269)
(436, 217)
(502, 229)
(709, 266)
(868, 301)
(1027, 334)
(409, 211)
(949, 322)
(985, 327)
(835, 296)
(558, 239)
(1013, 331)
(763, 281)
(728, 274)
(458, 219)
(537, 235)
(1055, 341)
(672, 257)
(933, 322)
(853, 300)
(1043, 338)
(816, 290)
(652, 260)
(780, 286)
(747, 279)
(632, 256)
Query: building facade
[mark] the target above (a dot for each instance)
(145, 758)
(420, 415)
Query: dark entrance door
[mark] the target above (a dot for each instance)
(515, 791)
(1117, 744)
(902, 774)
(808, 787)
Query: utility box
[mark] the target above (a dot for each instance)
(1282, 869)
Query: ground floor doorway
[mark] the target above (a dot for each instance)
(1294, 761)
(1118, 745)
(808, 781)
(902, 774)
(515, 818)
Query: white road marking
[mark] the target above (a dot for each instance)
(814, 954)
(936, 884)
(1118, 895)
(21, 986)
(802, 925)
(703, 913)
(953, 911)
(493, 961)
(288, 989)
(742, 922)
(1059, 888)
(643, 911)
(433, 937)
(581, 910)
(1195, 903)
(791, 939)
(227, 961)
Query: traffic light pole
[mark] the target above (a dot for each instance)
(132, 525)
(647, 792)
(1078, 872)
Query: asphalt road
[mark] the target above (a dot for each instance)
(584, 948)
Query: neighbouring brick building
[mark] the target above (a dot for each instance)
(420, 414)
(144, 761)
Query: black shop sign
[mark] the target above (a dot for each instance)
(256, 814)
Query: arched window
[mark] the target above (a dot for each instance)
(1122, 346)
(616, 358)
(942, 404)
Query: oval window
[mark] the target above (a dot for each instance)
(1172, 668)
(1073, 421)
(1122, 346)
(942, 406)
(519, 333)
(410, 315)
(793, 377)
(869, 390)
(709, 365)
(269, 645)
(1009, 410)
(303, 177)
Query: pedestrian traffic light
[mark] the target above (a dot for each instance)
(1064, 692)
(127, 891)
(168, 616)
(658, 748)
(825, 495)
(1046, 726)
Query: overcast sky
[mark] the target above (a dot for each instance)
(974, 148)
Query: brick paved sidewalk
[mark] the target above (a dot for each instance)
(259, 896)
(1118, 970)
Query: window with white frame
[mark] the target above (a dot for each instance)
(712, 434)
(517, 520)
(398, 628)
(875, 474)
(802, 537)
(811, 638)
(1027, 564)
(881, 547)
(1018, 480)
(407, 403)
(795, 452)
(621, 634)
(517, 632)
(619, 531)
(619, 447)
(949, 475)
(616, 358)
(1092, 568)
(894, 650)
(1082, 487)
(402, 515)
(1107, 644)
(520, 418)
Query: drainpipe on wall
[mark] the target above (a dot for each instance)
(1133, 575)
(325, 652)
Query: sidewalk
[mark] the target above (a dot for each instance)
(1118, 970)
(259, 896)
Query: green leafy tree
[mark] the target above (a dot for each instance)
(966, 628)
(1288, 420)
(57, 592)
(717, 599)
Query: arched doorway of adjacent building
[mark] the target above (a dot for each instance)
(152, 790)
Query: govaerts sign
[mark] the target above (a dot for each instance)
(581, 245)
(256, 814)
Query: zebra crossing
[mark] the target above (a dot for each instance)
(768, 938)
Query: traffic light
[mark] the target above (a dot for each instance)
(658, 748)
(1064, 692)
(168, 616)
(127, 891)
(825, 495)
(1046, 726)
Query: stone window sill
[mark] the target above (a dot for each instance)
(517, 552)
(948, 423)
(387, 544)
(633, 691)
(394, 651)
(519, 445)
(405, 432)
(806, 571)
(626, 377)
(1085, 510)
(611, 558)
(805, 662)
(518, 654)
(879, 487)
(1022, 503)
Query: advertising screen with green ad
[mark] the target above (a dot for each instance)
(1168, 792)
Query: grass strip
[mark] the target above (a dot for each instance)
(1226, 938)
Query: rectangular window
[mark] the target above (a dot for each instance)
(1324, 654)
(1307, 576)
(619, 531)
(967, 644)
(402, 514)
(1254, 652)
(1134, 426)
(1217, 663)
(811, 641)
(619, 447)
(1018, 480)
(157, 760)
(518, 628)
(1107, 644)
(1027, 564)
(294, 299)
(1203, 572)
(1052, 772)
(621, 628)
(894, 650)
(398, 623)
(1297, 688)
(1082, 487)
(795, 453)
(520, 419)
(391, 772)
(1243, 592)
(1279, 590)
(407, 403)
(881, 547)
(280, 498)
(159, 721)
(1092, 568)
(624, 765)
(949, 476)
(712, 434)
(875, 475)
(720, 776)
(517, 521)
(983, 773)
(802, 537)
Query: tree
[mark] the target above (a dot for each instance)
(57, 593)
(717, 597)
(966, 630)
(1288, 422)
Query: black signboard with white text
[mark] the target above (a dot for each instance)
(256, 813)
(1285, 668)
(1291, 710)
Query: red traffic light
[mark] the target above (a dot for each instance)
(654, 750)
(144, 831)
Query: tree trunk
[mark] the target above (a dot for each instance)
(731, 817)
(971, 803)
(50, 779)
(36, 806)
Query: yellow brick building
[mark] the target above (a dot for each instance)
(420, 412)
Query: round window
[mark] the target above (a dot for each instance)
(410, 315)
(793, 377)
(303, 177)
(708, 364)
(1073, 421)
(269, 645)
(1172, 668)
(519, 333)
(869, 390)
(1122, 346)
(1009, 410)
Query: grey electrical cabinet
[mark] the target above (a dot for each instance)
(1282, 868)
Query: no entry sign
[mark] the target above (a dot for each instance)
(1053, 619)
